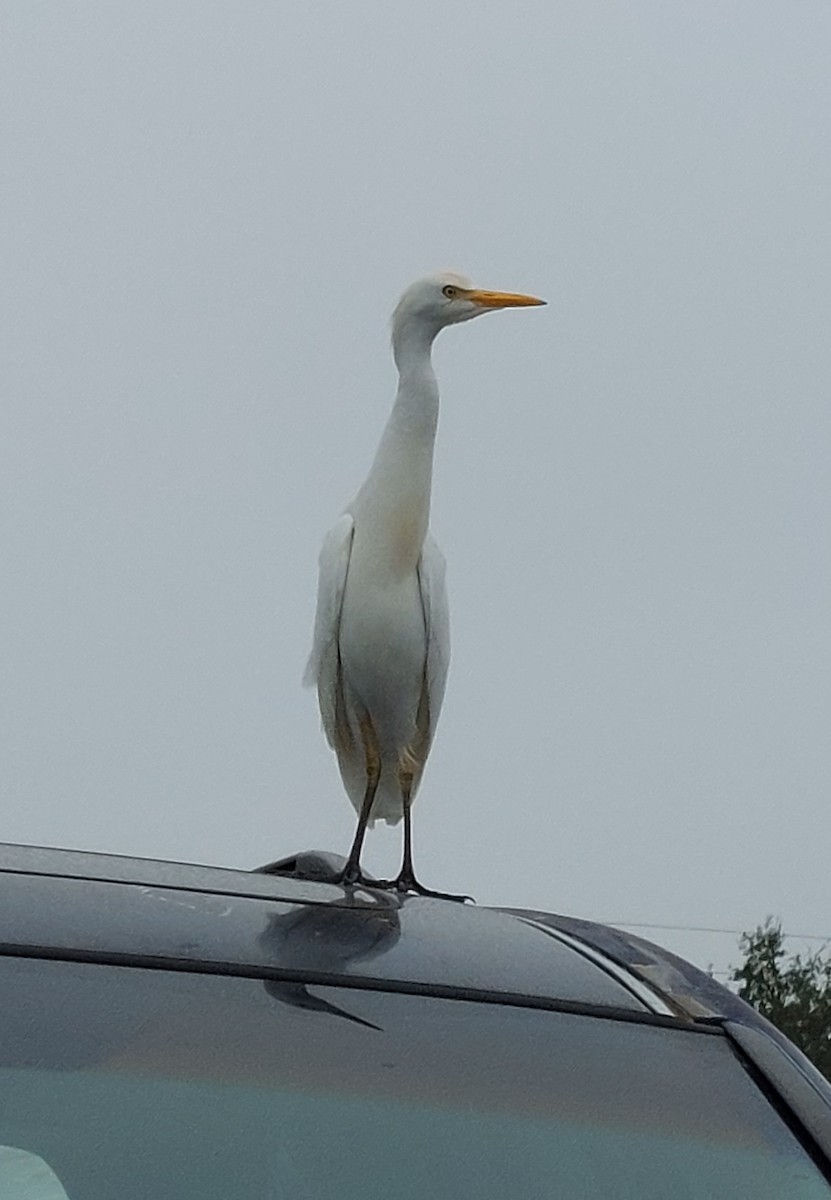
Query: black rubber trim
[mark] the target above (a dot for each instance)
(438, 991)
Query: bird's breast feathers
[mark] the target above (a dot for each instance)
(388, 544)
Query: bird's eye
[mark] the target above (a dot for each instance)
(449, 291)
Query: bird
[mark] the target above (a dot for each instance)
(381, 642)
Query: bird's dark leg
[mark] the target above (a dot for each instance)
(352, 870)
(406, 880)
(407, 874)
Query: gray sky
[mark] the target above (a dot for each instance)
(208, 212)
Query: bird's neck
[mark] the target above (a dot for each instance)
(415, 413)
(393, 506)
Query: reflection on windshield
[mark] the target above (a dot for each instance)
(204, 1088)
(330, 939)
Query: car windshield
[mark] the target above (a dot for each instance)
(127, 1083)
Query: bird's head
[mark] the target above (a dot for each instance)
(447, 299)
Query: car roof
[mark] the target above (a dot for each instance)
(286, 919)
(287, 922)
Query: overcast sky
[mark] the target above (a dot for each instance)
(208, 212)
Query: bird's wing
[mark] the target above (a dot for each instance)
(431, 578)
(322, 667)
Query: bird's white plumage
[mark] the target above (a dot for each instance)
(323, 665)
(344, 692)
(432, 570)
(395, 652)
(381, 646)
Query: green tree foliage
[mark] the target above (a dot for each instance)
(792, 991)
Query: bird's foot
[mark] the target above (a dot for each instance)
(352, 876)
(407, 882)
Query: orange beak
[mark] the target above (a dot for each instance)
(502, 299)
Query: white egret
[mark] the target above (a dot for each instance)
(381, 638)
